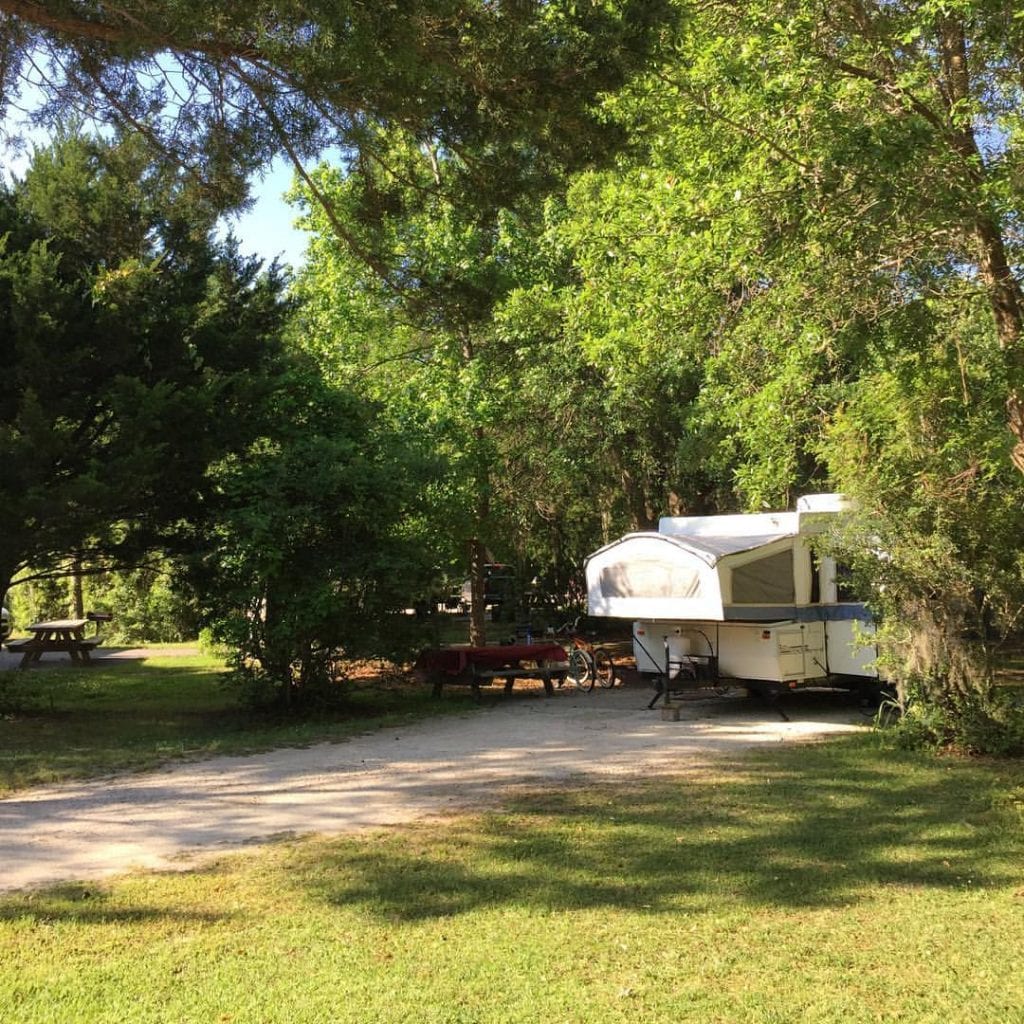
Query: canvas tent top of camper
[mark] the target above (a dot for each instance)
(756, 567)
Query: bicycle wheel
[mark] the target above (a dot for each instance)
(604, 668)
(579, 673)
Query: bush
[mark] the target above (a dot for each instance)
(146, 604)
(302, 559)
(974, 723)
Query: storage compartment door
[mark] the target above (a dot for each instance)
(801, 651)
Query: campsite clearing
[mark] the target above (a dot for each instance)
(832, 882)
(163, 818)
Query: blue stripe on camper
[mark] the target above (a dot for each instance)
(801, 613)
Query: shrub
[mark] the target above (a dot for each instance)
(973, 723)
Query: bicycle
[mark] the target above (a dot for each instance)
(588, 663)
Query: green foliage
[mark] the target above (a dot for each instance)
(971, 723)
(148, 605)
(512, 84)
(300, 558)
(406, 311)
(36, 601)
(135, 352)
(812, 225)
(801, 274)
(783, 286)
(920, 441)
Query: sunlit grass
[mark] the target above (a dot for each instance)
(836, 883)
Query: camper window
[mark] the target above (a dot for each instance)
(846, 589)
(765, 581)
(649, 578)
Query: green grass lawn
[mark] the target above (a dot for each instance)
(61, 723)
(839, 882)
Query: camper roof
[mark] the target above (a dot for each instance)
(752, 530)
(722, 533)
(716, 547)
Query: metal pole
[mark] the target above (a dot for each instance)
(669, 711)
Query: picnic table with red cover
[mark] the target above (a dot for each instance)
(481, 665)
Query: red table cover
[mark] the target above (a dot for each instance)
(454, 661)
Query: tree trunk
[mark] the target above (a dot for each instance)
(477, 548)
(637, 499)
(77, 598)
(1005, 301)
(478, 591)
(1002, 288)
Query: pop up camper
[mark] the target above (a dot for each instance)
(736, 597)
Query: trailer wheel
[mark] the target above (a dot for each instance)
(604, 668)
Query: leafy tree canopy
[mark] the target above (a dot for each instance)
(219, 90)
(135, 352)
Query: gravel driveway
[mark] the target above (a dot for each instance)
(169, 818)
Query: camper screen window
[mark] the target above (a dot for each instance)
(649, 579)
(766, 581)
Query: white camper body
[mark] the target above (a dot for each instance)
(736, 596)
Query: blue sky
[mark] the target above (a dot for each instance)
(267, 229)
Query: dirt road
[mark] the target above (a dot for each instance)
(167, 819)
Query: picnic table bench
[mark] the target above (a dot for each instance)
(481, 666)
(60, 635)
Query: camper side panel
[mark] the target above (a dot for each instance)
(846, 655)
(649, 576)
(777, 652)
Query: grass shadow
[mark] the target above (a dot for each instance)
(78, 903)
(809, 827)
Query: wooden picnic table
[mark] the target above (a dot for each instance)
(62, 635)
(480, 666)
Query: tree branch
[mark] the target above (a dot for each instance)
(90, 570)
(371, 260)
(104, 32)
(703, 103)
(890, 88)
